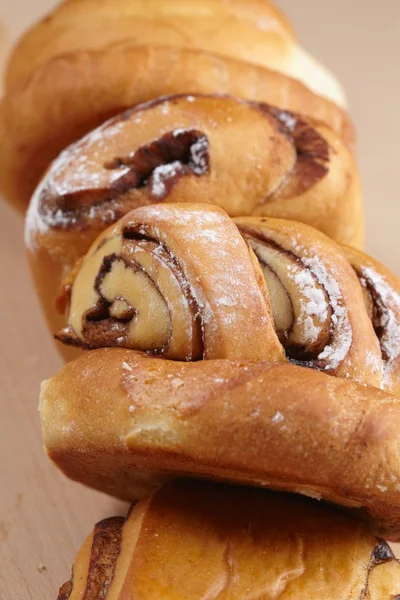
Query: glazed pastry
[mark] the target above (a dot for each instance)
(71, 73)
(123, 422)
(179, 281)
(382, 298)
(244, 544)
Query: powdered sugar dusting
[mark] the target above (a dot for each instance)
(198, 155)
(278, 418)
(230, 279)
(390, 311)
(382, 488)
(177, 383)
(161, 175)
(336, 352)
(265, 24)
(289, 120)
(198, 164)
(178, 132)
(74, 170)
(316, 305)
(80, 168)
(82, 161)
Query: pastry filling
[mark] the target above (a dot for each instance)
(160, 164)
(131, 292)
(156, 167)
(383, 305)
(310, 316)
(312, 152)
(105, 550)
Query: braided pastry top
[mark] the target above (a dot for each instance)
(245, 157)
(147, 284)
(165, 275)
(186, 282)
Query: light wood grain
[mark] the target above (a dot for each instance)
(44, 517)
(4, 43)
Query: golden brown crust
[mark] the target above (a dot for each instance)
(382, 298)
(303, 172)
(195, 540)
(275, 425)
(177, 281)
(119, 164)
(247, 30)
(71, 94)
(291, 162)
(226, 27)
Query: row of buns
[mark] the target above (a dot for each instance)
(195, 230)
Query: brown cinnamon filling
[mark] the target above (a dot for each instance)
(188, 147)
(157, 166)
(105, 550)
(305, 355)
(377, 311)
(109, 322)
(381, 554)
(312, 154)
(66, 590)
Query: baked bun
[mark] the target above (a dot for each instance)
(122, 422)
(180, 281)
(247, 157)
(183, 148)
(176, 281)
(206, 541)
(253, 31)
(72, 72)
(311, 311)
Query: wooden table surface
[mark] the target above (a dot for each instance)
(44, 517)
